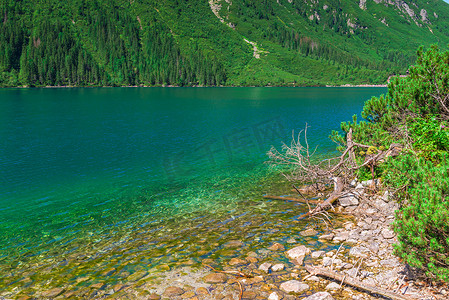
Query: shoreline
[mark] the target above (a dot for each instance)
(174, 86)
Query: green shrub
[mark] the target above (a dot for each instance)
(421, 224)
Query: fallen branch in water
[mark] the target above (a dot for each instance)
(290, 199)
(355, 283)
(231, 272)
(320, 174)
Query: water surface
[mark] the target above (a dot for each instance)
(91, 174)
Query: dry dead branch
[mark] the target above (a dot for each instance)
(355, 283)
(336, 171)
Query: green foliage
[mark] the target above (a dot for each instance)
(430, 136)
(179, 42)
(422, 223)
(413, 113)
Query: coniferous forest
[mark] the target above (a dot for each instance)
(215, 43)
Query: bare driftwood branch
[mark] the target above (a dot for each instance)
(355, 283)
(336, 171)
(290, 199)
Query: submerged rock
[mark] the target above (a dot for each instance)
(52, 293)
(215, 278)
(265, 267)
(234, 244)
(309, 232)
(173, 291)
(298, 252)
(276, 247)
(278, 267)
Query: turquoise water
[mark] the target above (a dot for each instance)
(91, 172)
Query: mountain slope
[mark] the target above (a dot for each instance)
(220, 42)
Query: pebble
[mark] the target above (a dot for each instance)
(326, 237)
(317, 254)
(215, 278)
(276, 247)
(202, 291)
(277, 267)
(332, 286)
(173, 291)
(291, 241)
(387, 233)
(236, 261)
(188, 295)
(249, 295)
(298, 252)
(233, 244)
(265, 267)
(274, 296)
(348, 200)
(313, 278)
(293, 286)
(52, 293)
(309, 232)
(320, 296)
(154, 297)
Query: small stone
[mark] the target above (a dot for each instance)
(252, 254)
(291, 241)
(98, 286)
(154, 297)
(236, 261)
(341, 237)
(52, 293)
(309, 232)
(265, 267)
(348, 200)
(327, 261)
(370, 211)
(276, 247)
(233, 244)
(326, 237)
(274, 296)
(387, 233)
(252, 259)
(293, 286)
(348, 266)
(357, 251)
(202, 291)
(297, 252)
(317, 254)
(320, 296)
(277, 267)
(332, 286)
(188, 295)
(215, 278)
(390, 262)
(173, 291)
(253, 280)
(249, 295)
(313, 278)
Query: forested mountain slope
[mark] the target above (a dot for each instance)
(220, 42)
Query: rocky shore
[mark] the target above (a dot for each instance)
(363, 251)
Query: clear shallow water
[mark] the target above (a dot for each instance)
(96, 173)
